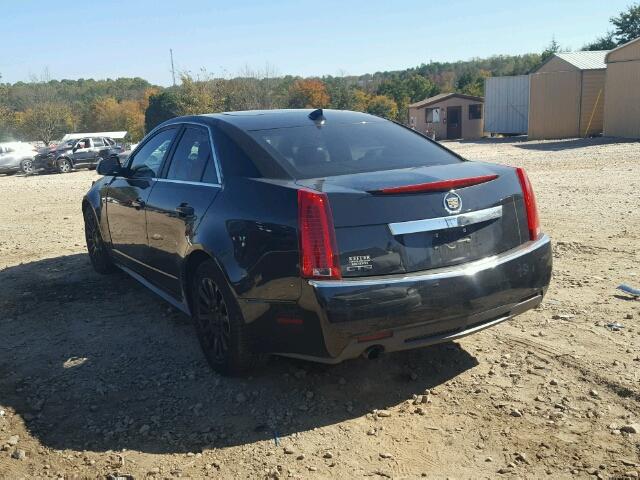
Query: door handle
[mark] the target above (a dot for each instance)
(138, 203)
(185, 210)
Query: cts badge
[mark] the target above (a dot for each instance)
(452, 202)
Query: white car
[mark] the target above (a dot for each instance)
(16, 157)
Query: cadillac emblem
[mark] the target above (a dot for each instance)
(452, 202)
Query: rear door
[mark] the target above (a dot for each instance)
(127, 197)
(179, 200)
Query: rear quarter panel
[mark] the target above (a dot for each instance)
(251, 230)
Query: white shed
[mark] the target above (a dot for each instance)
(506, 104)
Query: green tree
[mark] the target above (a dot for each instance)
(627, 24)
(46, 122)
(383, 106)
(162, 106)
(606, 42)
(553, 47)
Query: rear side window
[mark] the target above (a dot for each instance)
(191, 156)
(339, 149)
(97, 142)
(235, 161)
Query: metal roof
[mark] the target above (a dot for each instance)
(114, 135)
(620, 47)
(587, 60)
(443, 96)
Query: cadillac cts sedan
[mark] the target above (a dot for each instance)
(321, 235)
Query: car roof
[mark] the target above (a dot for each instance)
(284, 118)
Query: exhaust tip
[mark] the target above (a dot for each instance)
(373, 352)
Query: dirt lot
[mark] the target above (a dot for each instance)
(98, 377)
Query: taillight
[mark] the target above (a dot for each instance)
(533, 221)
(318, 247)
(439, 186)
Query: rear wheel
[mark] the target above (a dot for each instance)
(98, 253)
(26, 166)
(219, 322)
(64, 165)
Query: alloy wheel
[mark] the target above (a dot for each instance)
(27, 167)
(65, 166)
(94, 240)
(213, 319)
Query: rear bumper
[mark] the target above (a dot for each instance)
(429, 307)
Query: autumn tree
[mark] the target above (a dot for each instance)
(45, 122)
(308, 93)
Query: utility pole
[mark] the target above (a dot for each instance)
(173, 70)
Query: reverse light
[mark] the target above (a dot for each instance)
(439, 186)
(533, 221)
(318, 247)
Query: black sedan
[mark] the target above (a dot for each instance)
(321, 235)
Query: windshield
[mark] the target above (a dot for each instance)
(326, 150)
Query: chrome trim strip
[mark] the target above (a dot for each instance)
(185, 182)
(143, 264)
(441, 223)
(470, 268)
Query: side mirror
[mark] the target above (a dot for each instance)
(109, 166)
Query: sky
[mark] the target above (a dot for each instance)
(110, 39)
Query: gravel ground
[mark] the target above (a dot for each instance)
(99, 378)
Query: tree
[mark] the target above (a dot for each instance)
(553, 47)
(7, 124)
(46, 122)
(162, 106)
(308, 93)
(472, 83)
(627, 27)
(606, 42)
(627, 24)
(383, 106)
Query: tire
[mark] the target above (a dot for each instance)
(26, 166)
(64, 165)
(97, 249)
(219, 322)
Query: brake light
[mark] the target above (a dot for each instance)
(533, 221)
(439, 186)
(318, 247)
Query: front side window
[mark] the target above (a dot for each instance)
(191, 156)
(83, 143)
(432, 115)
(340, 149)
(147, 161)
(475, 111)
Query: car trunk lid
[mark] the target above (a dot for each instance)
(408, 220)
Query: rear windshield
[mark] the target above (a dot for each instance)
(326, 150)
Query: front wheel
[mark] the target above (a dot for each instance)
(64, 165)
(98, 253)
(26, 166)
(219, 322)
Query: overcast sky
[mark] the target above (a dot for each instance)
(80, 39)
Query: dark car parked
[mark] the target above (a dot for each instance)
(317, 235)
(76, 153)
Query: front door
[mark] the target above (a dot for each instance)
(177, 204)
(454, 122)
(82, 152)
(127, 197)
